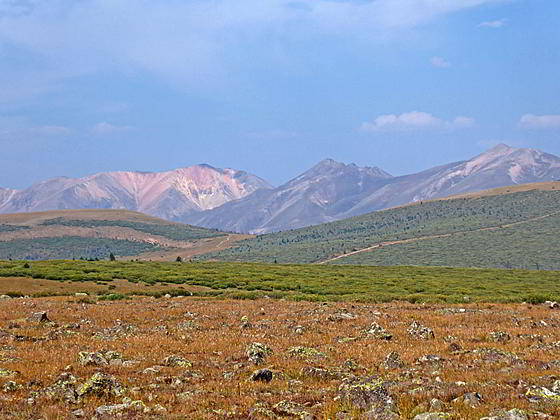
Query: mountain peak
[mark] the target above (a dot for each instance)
(329, 163)
(501, 148)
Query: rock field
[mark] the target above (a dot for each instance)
(187, 358)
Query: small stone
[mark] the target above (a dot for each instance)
(39, 317)
(499, 336)
(176, 361)
(420, 331)
(393, 361)
(257, 352)
(78, 413)
(288, 408)
(377, 331)
(432, 416)
(262, 375)
(436, 405)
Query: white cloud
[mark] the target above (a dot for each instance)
(440, 62)
(540, 121)
(493, 24)
(414, 120)
(106, 128)
(463, 122)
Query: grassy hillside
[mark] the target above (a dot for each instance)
(297, 282)
(97, 233)
(508, 227)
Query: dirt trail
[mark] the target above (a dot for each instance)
(443, 235)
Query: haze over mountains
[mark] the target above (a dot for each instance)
(234, 200)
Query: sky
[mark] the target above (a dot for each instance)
(271, 87)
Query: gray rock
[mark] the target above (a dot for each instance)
(433, 416)
(291, 409)
(513, 414)
(367, 393)
(377, 331)
(257, 352)
(39, 317)
(420, 331)
(393, 361)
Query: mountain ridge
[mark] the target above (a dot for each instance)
(273, 210)
(237, 201)
(168, 194)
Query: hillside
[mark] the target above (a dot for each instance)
(334, 191)
(97, 233)
(516, 227)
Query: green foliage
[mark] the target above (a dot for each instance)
(11, 228)
(521, 246)
(310, 282)
(174, 231)
(533, 245)
(70, 247)
(113, 297)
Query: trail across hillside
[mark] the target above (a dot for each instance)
(443, 235)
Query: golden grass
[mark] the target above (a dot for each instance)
(217, 345)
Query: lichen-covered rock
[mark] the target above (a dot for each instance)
(39, 317)
(470, 400)
(100, 358)
(429, 359)
(291, 409)
(305, 352)
(245, 323)
(7, 373)
(513, 414)
(101, 384)
(64, 389)
(10, 386)
(341, 316)
(541, 393)
(176, 361)
(262, 375)
(377, 331)
(489, 354)
(318, 373)
(257, 352)
(433, 416)
(420, 331)
(127, 406)
(393, 361)
(499, 336)
(367, 393)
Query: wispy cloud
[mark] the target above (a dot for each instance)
(189, 43)
(415, 120)
(440, 62)
(540, 121)
(103, 128)
(493, 24)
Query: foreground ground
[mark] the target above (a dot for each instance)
(194, 358)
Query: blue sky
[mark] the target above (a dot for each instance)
(271, 86)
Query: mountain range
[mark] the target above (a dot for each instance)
(233, 200)
(171, 195)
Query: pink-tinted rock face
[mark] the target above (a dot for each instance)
(169, 194)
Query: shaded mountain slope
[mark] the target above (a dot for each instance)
(511, 210)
